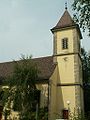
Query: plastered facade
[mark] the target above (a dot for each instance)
(67, 77)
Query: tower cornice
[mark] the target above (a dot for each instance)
(73, 53)
(66, 28)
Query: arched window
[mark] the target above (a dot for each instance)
(65, 43)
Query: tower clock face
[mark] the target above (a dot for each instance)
(65, 59)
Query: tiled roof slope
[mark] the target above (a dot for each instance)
(65, 21)
(45, 66)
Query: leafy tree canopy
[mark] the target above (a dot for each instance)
(22, 89)
(86, 79)
(85, 66)
(82, 13)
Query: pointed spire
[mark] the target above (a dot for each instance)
(65, 21)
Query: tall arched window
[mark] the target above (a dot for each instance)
(65, 43)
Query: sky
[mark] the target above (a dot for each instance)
(25, 27)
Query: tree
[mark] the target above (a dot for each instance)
(82, 13)
(85, 66)
(86, 79)
(22, 89)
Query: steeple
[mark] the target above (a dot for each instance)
(66, 22)
(67, 55)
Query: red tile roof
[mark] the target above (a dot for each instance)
(45, 66)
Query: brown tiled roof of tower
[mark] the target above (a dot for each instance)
(66, 21)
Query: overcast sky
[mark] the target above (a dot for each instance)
(25, 27)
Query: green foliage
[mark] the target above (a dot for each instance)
(5, 101)
(43, 113)
(85, 66)
(82, 13)
(22, 93)
(5, 93)
(86, 79)
(76, 115)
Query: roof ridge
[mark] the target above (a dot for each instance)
(42, 57)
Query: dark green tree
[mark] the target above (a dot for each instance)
(82, 13)
(86, 79)
(89, 65)
(22, 88)
(85, 66)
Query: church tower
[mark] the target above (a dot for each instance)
(67, 88)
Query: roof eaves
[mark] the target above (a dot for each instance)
(55, 29)
(62, 28)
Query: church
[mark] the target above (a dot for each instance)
(60, 77)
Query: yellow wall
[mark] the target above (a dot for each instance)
(65, 93)
(73, 39)
(62, 34)
(65, 69)
(59, 96)
(43, 94)
(53, 95)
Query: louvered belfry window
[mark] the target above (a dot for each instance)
(65, 43)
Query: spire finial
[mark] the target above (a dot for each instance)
(65, 5)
